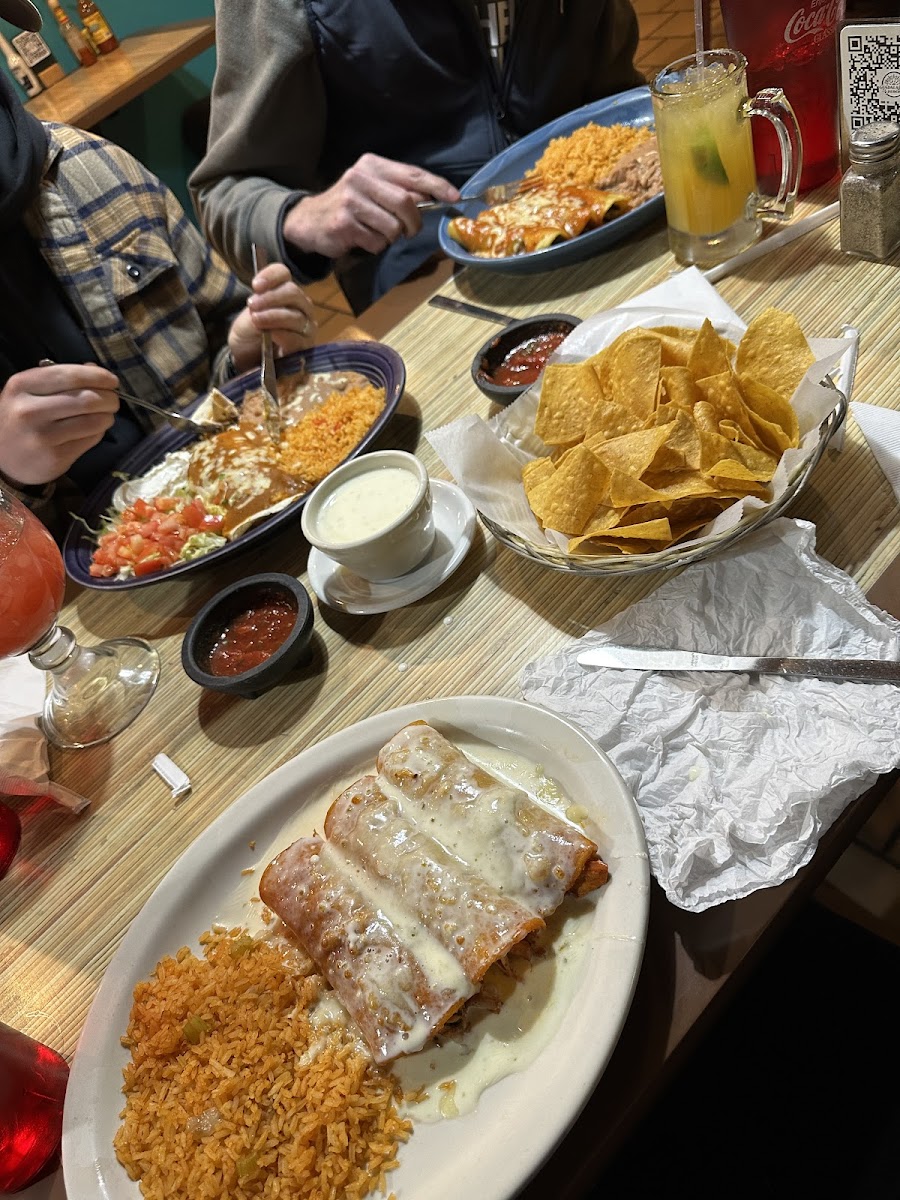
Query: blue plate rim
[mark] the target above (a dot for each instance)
(79, 543)
(587, 244)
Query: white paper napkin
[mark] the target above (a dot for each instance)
(737, 776)
(881, 427)
(24, 764)
(486, 457)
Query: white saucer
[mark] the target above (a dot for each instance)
(454, 528)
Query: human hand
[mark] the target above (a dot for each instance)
(279, 305)
(371, 205)
(49, 416)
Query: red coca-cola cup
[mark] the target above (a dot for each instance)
(10, 836)
(32, 1089)
(792, 45)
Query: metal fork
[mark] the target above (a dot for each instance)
(176, 419)
(497, 193)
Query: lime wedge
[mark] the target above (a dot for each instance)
(707, 161)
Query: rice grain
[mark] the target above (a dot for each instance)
(265, 1103)
(589, 153)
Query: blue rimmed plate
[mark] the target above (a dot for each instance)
(627, 108)
(381, 365)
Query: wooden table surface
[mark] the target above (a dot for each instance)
(88, 94)
(79, 881)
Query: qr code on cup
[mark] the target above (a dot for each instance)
(869, 55)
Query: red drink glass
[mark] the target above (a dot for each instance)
(10, 836)
(32, 1089)
(96, 690)
(792, 45)
(32, 583)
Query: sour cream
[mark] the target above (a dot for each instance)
(366, 504)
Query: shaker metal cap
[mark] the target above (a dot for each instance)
(875, 141)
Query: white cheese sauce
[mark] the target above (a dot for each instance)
(447, 1077)
(366, 504)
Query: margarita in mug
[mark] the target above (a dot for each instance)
(705, 150)
(702, 115)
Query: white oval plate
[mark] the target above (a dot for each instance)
(454, 528)
(490, 1152)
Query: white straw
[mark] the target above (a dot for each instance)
(774, 241)
(698, 33)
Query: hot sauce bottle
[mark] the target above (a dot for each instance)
(97, 27)
(76, 38)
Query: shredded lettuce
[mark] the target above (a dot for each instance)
(199, 544)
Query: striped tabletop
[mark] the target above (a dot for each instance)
(79, 881)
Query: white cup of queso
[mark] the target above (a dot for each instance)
(373, 515)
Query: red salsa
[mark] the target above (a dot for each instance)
(252, 636)
(522, 365)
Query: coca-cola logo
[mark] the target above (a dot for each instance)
(820, 19)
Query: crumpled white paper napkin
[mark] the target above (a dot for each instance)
(24, 764)
(737, 776)
(881, 427)
(486, 457)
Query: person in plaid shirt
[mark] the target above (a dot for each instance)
(102, 274)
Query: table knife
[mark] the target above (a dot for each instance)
(641, 658)
(470, 310)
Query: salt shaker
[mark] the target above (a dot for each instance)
(870, 192)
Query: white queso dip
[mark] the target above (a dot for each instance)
(366, 504)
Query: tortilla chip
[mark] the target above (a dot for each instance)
(633, 363)
(607, 545)
(534, 473)
(775, 352)
(732, 468)
(566, 499)
(682, 443)
(709, 353)
(679, 387)
(651, 531)
(625, 490)
(569, 392)
(722, 393)
(632, 453)
(609, 420)
(671, 486)
(774, 417)
(602, 520)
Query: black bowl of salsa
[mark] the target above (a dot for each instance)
(250, 635)
(513, 359)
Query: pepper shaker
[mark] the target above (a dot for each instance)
(870, 192)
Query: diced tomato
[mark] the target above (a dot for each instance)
(149, 536)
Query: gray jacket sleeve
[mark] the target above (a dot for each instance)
(266, 130)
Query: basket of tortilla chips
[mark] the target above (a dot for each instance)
(673, 437)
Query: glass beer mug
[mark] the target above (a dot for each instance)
(702, 112)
